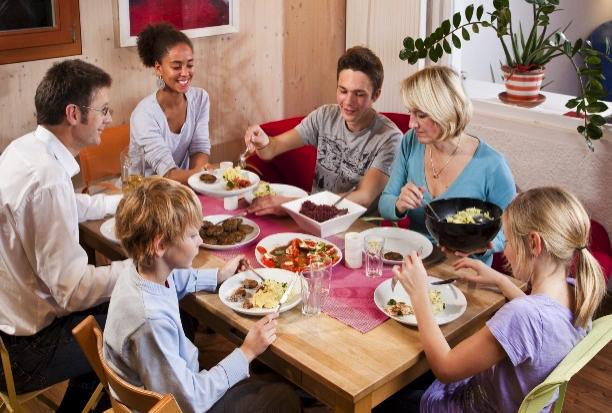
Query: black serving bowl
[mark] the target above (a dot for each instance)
(462, 237)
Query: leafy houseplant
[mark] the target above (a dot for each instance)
(525, 52)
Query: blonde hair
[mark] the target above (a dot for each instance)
(158, 207)
(564, 225)
(438, 92)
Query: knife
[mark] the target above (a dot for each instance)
(285, 295)
(450, 280)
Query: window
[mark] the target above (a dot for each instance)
(38, 29)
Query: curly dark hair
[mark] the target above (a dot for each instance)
(68, 82)
(156, 39)
(364, 60)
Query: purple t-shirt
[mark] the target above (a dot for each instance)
(536, 333)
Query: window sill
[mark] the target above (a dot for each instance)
(549, 113)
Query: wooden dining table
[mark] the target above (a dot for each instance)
(347, 370)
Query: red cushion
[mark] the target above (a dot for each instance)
(295, 167)
(402, 120)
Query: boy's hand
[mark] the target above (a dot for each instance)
(259, 337)
(233, 266)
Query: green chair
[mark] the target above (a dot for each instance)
(585, 350)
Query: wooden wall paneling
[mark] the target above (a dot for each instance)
(314, 39)
(382, 26)
(245, 73)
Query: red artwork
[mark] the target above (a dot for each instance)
(183, 14)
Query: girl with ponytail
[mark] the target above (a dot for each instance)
(547, 230)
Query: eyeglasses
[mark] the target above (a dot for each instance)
(104, 111)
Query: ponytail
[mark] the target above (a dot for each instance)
(590, 287)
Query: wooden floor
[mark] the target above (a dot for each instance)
(589, 391)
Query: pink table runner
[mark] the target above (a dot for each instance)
(351, 298)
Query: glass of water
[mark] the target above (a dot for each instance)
(373, 246)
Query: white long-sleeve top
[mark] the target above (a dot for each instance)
(44, 272)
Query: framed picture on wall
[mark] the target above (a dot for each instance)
(196, 18)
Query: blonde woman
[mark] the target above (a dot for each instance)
(492, 371)
(438, 159)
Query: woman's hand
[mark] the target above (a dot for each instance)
(410, 197)
(256, 138)
(412, 275)
(466, 253)
(259, 337)
(483, 273)
(233, 266)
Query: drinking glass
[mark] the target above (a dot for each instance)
(132, 168)
(326, 270)
(373, 246)
(353, 249)
(312, 289)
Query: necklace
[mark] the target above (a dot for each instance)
(435, 173)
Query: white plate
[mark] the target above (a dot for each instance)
(229, 286)
(454, 299)
(247, 239)
(401, 240)
(217, 189)
(280, 189)
(276, 240)
(108, 230)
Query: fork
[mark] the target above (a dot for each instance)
(243, 157)
(261, 277)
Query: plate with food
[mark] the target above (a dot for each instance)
(223, 184)
(108, 230)
(224, 232)
(447, 302)
(400, 242)
(245, 293)
(294, 251)
(266, 188)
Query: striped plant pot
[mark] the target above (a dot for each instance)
(522, 86)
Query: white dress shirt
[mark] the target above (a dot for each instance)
(44, 272)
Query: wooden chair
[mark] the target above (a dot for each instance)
(89, 336)
(9, 398)
(585, 350)
(84, 335)
(102, 161)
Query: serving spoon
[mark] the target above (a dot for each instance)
(344, 196)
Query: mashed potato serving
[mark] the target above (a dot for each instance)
(269, 294)
(263, 189)
(400, 308)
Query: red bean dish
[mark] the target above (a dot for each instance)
(321, 213)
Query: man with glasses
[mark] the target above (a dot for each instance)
(47, 285)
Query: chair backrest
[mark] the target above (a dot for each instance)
(102, 161)
(585, 350)
(84, 335)
(402, 120)
(166, 405)
(8, 374)
(135, 398)
(295, 167)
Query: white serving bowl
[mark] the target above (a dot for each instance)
(331, 226)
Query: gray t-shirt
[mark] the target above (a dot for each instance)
(163, 148)
(344, 157)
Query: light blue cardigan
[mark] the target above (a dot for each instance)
(487, 177)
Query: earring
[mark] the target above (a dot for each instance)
(160, 83)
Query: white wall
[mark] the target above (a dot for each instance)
(484, 49)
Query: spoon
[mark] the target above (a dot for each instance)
(344, 196)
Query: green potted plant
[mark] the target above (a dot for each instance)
(526, 54)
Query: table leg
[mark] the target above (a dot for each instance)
(362, 406)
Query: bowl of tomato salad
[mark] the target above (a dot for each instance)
(295, 251)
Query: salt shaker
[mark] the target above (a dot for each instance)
(353, 247)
